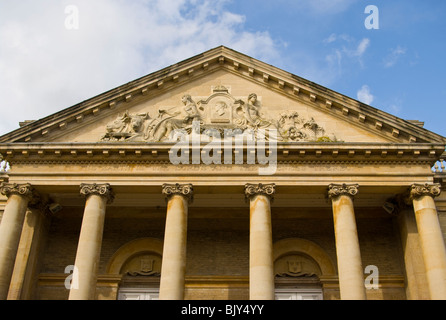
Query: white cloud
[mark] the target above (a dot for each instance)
(362, 47)
(45, 68)
(346, 48)
(331, 38)
(394, 106)
(364, 95)
(394, 55)
(326, 6)
(335, 37)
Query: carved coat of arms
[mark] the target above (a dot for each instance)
(146, 269)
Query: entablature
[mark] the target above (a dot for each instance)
(281, 152)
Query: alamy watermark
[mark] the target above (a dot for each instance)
(372, 280)
(372, 20)
(72, 18)
(72, 281)
(227, 148)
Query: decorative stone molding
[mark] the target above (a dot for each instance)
(185, 190)
(103, 190)
(419, 190)
(25, 190)
(4, 178)
(336, 190)
(260, 189)
(329, 153)
(35, 201)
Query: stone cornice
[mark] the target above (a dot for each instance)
(185, 190)
(3, 178)
(159, 152)
(152, 85)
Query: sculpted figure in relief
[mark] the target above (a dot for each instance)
(288, 127)
(125, 127)
(160, 128)
(292, 127)
(249, 115)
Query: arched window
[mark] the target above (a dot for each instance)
(299, 265)
(139, 263)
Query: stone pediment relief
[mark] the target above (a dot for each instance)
(218, 115)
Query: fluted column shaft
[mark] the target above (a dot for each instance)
(261, 264)
(431, 238)
(173, 268)
(10, 230)
(351, 276)
(90, 241)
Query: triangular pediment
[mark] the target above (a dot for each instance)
(224, 90)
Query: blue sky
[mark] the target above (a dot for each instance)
(45, 66)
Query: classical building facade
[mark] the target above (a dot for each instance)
(222, 177)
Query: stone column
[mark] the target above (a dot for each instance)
(351, 274)
(431, 239)
(19, 195)
(416, 288)
(261, 264)
(90, 241)
(173, 268)
(36, 220)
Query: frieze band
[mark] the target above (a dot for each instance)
(185, 190)
(336, 190)
(103, 190)
(263, 189)
(418, 190)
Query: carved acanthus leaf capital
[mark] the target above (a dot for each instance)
(185, 190)
(419, 190)
(103, 190)
(260, 189)
(25, 190)
(336, 190)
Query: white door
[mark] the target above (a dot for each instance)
(138, 294)
(298, 294)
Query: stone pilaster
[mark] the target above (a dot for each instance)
(90, 240)
(431, 239)
(19, 196)
(261, 264)
(351, 274)
(173, 267)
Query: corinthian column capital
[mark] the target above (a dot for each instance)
(25, 190)
(336, 190)
(103, 190)
(419, 190)
(260, 189)
(185, 190)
